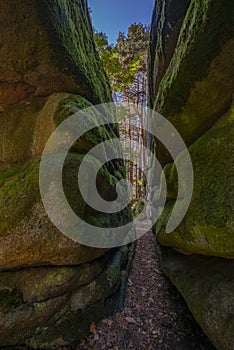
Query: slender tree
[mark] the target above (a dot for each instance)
(125, 64)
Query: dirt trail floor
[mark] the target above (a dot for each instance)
(154, 317)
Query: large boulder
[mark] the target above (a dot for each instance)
(27, 235)
(208, 226)
(52, 307)
(207, 285)
(191, 84)
(48, 47)
(194, 89)
(51, 287)
(165, 28)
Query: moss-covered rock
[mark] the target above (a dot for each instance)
(26, 127)
(28, 238)
(48, 45)
(165, 28)
(207, 285)
(73, 104)
(18, 324)
(9, 299)
(49, 70)
(191, 84)
(41, 283)
(208, 225)
(62, 319)
(95, 301)
(194, 83)
(18, 193)
(47, 52)
(23, 221)
(17, 128)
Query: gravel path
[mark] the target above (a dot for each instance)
(154, 317)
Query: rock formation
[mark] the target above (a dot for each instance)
(51, 288)
(191, 84)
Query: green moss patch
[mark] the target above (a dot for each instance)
(70, 26)
(205, 29)
(10, 299)
(208, 225)
(18, 192)
(74, 104)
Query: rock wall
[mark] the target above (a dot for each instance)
(51, 288)
(191, 83)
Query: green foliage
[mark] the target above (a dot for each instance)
(109, 56)
(137, 206)
(127, 59)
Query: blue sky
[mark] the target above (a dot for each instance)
(114, 16)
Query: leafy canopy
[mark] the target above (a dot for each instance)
(125, 60)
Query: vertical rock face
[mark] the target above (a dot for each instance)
(51, 288)
(165, 29)
(191, 84)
